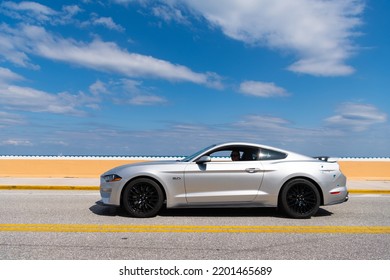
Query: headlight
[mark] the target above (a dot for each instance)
(112, 178)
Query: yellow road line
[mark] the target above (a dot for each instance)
(194, 228)
(369, 191)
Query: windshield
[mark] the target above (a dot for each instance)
(191, 157)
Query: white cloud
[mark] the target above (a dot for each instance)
(107, 22)
(146, 100)
(8, 119)
(169, 13)
(29, 99)
(127, 91)
(260, 122)
(12, 47)
(29, 6)
(261, 89)
(319, 33)
(32, 9)
(356, 117)
(16, 142)
(8, 75)
(35, 13)
(71, 10)
(100, 56)
(98, 87)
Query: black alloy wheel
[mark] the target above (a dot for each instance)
(142, 198)
(300, 199)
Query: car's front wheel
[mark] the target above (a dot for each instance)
(142, 198)
(299, 198)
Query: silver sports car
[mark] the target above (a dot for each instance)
(227, 175)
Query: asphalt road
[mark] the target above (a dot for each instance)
(69, 225)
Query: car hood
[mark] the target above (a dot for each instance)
(120, 168)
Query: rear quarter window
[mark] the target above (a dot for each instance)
(266, 154)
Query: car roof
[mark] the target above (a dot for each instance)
(222, 144)
(289, 153)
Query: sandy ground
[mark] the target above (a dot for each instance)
(92, 168)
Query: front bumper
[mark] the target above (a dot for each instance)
(110, 192)
(100, 203)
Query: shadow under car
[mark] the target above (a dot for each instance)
(106, 210)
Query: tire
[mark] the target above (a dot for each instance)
(142, 198)
(300, 199)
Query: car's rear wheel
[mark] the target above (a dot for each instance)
(142, 198)
(300, 199)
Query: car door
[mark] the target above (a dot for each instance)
(217, 182)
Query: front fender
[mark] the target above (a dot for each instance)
(171, 182)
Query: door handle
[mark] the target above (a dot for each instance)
(252, 170)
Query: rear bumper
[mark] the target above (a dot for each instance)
(336, 196)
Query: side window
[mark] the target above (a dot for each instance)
(250, 154)
(266, 154)
(221, 155)
(235, 153)
(245, 153)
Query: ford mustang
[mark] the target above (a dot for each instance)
(227, 175)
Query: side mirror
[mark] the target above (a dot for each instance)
(203, 160)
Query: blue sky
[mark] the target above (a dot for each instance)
(128, 77)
